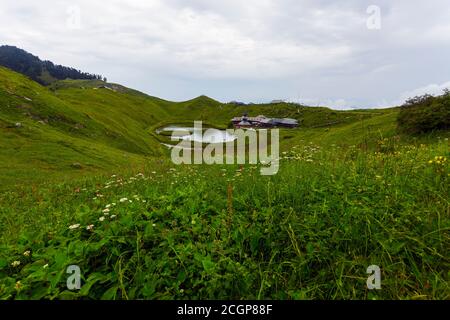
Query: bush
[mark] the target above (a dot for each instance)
(425, 114)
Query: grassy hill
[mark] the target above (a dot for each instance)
(103, 126)
(41, 132)
(85, 181)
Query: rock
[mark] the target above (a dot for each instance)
(76, 165)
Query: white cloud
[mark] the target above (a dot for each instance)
(179, 49)
(432, 89)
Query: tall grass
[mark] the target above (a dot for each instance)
(226, 232)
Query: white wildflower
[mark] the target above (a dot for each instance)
(101, 219)
(15, 264)
(27, 253)
(74, 226)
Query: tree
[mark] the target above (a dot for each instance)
(23, 62)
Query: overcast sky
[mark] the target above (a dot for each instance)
(341, 54)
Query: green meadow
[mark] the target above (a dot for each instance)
(86, 181)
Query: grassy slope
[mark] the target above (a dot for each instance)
(56, 133)
(206, 231)
(74, 122)
(226, 232)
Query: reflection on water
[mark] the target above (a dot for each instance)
(207, 136)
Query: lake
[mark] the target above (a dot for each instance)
(208, 135)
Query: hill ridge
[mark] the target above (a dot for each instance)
(43, 71)
(81, 121)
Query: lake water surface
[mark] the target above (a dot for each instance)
(208, 135)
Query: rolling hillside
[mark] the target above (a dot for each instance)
(85, 181)
(78, 126)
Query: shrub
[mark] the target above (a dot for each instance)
(425, 114)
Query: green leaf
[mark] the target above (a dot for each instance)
(110, 294)
(93, 279)
(208, 265)
(3, 263)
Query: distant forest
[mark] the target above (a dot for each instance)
(44, 72)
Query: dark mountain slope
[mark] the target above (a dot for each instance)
(44, 72)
